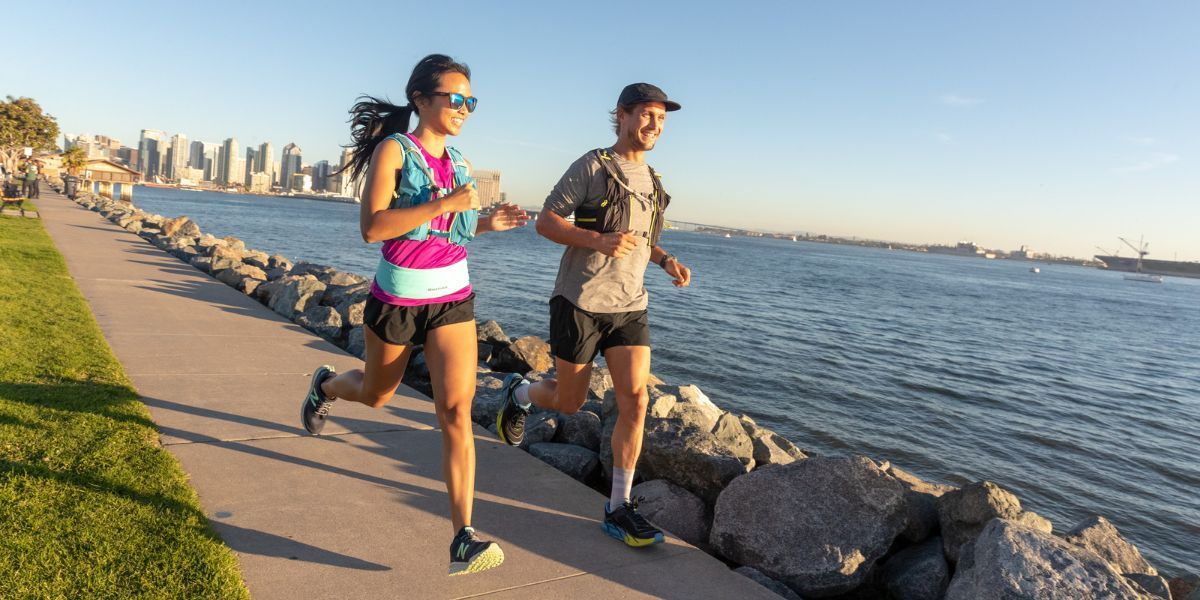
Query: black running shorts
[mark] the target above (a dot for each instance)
(577, 335)
(408, 325)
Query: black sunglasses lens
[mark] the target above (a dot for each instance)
(471, 102)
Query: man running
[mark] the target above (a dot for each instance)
(599, 300)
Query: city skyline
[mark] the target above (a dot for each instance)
(1059, 127)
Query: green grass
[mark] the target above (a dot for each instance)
(90, 505)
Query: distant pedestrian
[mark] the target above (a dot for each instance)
(29, 181)
(599, 300)
(421, 203)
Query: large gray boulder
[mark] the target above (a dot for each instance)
(277, 261)
(296, 295)
(918, 572)
(323, 321)
(490, 332)
(180, 226)
(964, 512)
(770, 448)
(921, 498)
(352, 312)
(523, 355)
(600, 383)
(579, 463)
(539, 429)
(489, 397)
(202, 263)
(356, 343)
(1100, 536)
(336, 295)
(1010, 560)
(674, 509)
(729, 432)
(582, 429)
(1185, 587)
(224, 258)
(818, 525)
(687, 456)
(237, 275)
(1150, 586)
(780, 590)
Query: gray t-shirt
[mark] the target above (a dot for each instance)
(591, 280)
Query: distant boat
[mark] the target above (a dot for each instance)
(1035, 270)
(794, 238)
(727, 235)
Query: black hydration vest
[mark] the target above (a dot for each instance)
(611, 212)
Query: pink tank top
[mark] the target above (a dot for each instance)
(434, 252)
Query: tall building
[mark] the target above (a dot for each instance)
(265, 162)
(179, 155)
(212, 162)
(150, 150)
(238, 166)
(320, 175)
(230, 173)
(128, 155)
(196, 155)
(487, 183)
(251, 161)
(290, 166)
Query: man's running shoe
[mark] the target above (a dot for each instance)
(469, 554)
(316, 404)
(627, 525)
(510, 420)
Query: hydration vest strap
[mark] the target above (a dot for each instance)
(421, 284)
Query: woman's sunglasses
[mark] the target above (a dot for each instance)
(457, 100)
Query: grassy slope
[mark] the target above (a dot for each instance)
(90, 505)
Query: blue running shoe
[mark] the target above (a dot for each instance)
(316, 403)
(510, 420)
(469, 554)
(627, 525)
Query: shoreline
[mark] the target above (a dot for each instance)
(734, 450)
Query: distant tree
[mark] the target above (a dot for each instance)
(74, 160)
(22, 125)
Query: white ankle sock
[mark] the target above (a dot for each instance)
(522, 395)
(622, 485)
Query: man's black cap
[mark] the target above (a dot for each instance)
(636, 93)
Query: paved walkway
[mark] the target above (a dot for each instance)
(360, 512)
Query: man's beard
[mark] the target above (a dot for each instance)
(635, 141)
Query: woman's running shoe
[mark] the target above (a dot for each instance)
(469, 554)
(316, 404)
(629, 526)
(510, 420)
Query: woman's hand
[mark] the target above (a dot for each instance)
(462, 199)
(506, 216)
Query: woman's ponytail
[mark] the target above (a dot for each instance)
(371, 121)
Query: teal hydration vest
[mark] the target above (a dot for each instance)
(416, 185)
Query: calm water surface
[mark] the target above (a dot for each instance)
(1078, 390)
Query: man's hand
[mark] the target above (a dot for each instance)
(682, 274)
(616, 245)
(507, 216)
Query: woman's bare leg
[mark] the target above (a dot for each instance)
(453, 353)
(375, 383)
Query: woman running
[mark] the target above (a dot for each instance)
(420, 201)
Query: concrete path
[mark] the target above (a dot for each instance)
(360, 512)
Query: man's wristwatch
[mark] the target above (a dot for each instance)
(663, 261)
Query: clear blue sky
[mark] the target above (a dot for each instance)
(1059, 125)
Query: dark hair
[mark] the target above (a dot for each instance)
(372, 119)
(612, 116)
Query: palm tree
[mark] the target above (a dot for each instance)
(74, 160)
